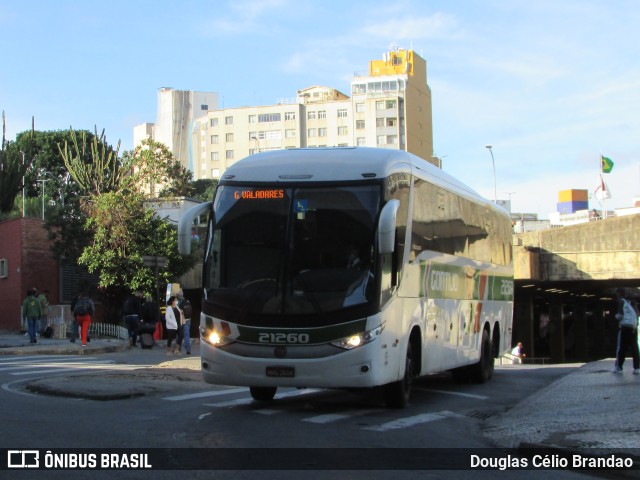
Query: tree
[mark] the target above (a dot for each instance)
(154, 171)
(204, 189)
(122, 230)
(14, 163)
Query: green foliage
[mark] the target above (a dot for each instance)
(152, 170)
(125, 232)
(14, 162)
(204, 189)
(102, 174)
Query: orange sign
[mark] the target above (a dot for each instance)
(258, 194)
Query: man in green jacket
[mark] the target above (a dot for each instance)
(31, 312)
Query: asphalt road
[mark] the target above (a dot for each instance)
(165, 404)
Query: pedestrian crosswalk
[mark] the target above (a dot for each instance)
(230, 398)
(24, 366)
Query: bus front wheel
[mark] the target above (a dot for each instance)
(397, 393)
(263, 394)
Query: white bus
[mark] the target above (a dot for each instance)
(350, 268)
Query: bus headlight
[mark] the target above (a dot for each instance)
(216, 337)
(358, 339)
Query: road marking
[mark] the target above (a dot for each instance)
(457, 394)
(246, 401)
(213, 393)
(415, 420)
(334, 417)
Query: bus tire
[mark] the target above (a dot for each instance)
(397, 393)
(483, 370)
(263, 394)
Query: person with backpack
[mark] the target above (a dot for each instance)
(83, 309)
(627, 333)
(31, 312)
(185, 305)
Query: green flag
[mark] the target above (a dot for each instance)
(607, 164)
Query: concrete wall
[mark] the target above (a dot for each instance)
(603, 250)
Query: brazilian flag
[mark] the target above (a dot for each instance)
(607, 164)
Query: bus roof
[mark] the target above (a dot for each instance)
(335, 164)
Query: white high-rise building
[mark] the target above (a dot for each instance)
(388, 108)
(178, 110)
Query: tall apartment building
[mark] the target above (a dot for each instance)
(388, 108)
(177, 112)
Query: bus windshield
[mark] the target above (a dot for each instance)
(292, 251)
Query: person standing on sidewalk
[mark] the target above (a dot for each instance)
(43, 298)
(31, 312)
(185, 305)
(83, 310)
(627, 333)
(174, 318)
(132, 312)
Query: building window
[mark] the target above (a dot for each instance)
(269, 117)
(342, 113)
(322, 114)
(4, 268)
(392, 121)
(391, 104)
(228, 120)
(380, 105)
(359, 88)
(359, 124)
(361, 141)
(214, 139)
(322, 132)
(342, 130)
(290, 133)
(290, 115)
(214, 156)
(273, 134)
(253, 136)
(214, 122)
(311, 132)
(379, 122)
(252, 119)
(229, 154)
(392, 139)
(311, 115)
(229, 137)
(381, 139)
(360, 107)
(204, 107)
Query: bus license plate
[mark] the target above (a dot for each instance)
(287, 372)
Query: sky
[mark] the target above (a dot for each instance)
(550, 85)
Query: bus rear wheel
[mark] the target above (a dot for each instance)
(397, 393)
(263, 394)
(483, 370)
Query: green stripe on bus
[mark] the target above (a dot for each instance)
(313, 335)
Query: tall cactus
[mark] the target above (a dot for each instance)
(99, 176)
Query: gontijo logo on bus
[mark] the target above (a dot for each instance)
(258, 194)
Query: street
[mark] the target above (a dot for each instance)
(188, 413)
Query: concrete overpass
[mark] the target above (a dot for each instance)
(565, 282)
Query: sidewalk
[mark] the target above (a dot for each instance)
(14, 343)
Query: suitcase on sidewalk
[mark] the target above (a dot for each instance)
(146, 340)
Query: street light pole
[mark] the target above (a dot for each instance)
(493, 162)
(43, 181)
(22, 185)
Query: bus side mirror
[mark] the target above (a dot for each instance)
(186, 222)
(387, 227)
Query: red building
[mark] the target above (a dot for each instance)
(26, 261)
